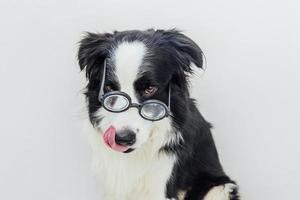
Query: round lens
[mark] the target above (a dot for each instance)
(153, 111)
(116, 103)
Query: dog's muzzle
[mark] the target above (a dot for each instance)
(119, 140)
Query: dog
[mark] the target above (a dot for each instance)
(149, 140)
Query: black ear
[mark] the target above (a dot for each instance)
(93, 49)
(185, 50)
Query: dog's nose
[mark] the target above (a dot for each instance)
(125, 137)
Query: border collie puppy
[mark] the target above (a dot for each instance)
(149, 140)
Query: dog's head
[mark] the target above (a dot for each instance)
(151, 64)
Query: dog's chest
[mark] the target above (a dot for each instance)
(134, 177)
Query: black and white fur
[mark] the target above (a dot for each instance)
(174, 158)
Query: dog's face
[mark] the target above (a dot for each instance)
(142, 64)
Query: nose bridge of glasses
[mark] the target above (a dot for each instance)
(135, 105)
(126, 103)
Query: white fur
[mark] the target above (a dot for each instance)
(221, 192)
(143, 173)
(128, 57)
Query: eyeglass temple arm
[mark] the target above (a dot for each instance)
(103, 80)
(169, 100)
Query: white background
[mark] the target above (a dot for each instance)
(250, 90)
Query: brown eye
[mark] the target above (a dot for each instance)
(108, 88)
(149, 91)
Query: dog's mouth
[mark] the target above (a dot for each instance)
(109, 139)
(129, 150)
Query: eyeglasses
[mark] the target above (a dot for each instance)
(118, 101)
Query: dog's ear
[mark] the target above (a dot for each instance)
(185, 50)
(93, 49)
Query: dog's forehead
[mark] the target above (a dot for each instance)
(128, 58)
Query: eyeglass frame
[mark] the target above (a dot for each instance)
(102, 96)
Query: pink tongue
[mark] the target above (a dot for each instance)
(109, 139)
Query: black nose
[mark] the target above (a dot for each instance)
(125, 137)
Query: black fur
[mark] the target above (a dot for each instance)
(198, 168)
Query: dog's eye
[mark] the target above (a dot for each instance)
(149, 91)
(108, 88)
